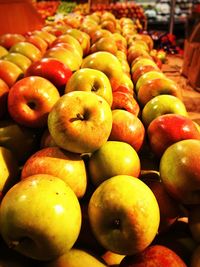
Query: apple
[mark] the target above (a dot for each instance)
(4, 89)
(180, 171)
(169, 208)
(107, 44)
(144, 37)
(22, 141)
(154, 74)
(107, 63)
(20, 60)
(82, 37)
(66, 56)
(136, 52)
(10, 73)
(154, 255)
(80, 121)
(142, 61)
(160, 105)
(167, 129)
(46, 139)
(127, 127)
(38, 41)
(103, 163)
(99, 34)
(27, 49)
(158, 86)
(90, 80)
(67, 38)
(112, 259)
(76, 257)
(7, 40)
(53, 70)
(30, 101)
(46, 228)
(142, 70)
(3, 51)
(124, 214)
(9, 170)
(48, 37)
(125, 101)
(65, 165)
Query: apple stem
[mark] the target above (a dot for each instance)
(117, 223)
(80, 116)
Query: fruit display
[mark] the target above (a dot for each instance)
(99, 158)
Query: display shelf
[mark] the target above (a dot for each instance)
(18, 16)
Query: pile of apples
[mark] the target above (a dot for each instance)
(99, 159)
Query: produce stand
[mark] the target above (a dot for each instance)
(99, 134)
(19, 16)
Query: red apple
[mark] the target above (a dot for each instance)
(142, 70)
(127, 127)
(10, 72)
(53, 70)
(156, 87)
(9, 39)
(31, 99)
(153, 256)
(125, 101)
(4, 89)
(180, 171)
(167, 129)
(65, 165)
(38, 41)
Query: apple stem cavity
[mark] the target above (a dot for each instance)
(117, 224)
(31, 105)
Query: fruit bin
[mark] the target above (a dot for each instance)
(96, 137)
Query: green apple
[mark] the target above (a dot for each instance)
(180, 171)
(27, 49)
(160, 105)
(80, 121)
(90, 80)
(104, 163)
(22, 141)
(20, 60)
(40, 217)
(76, 257)
(124, 214)
(9, 170)
(65, 165)
(107, 63)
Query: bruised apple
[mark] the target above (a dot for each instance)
(80, 122)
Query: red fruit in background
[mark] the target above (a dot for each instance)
(30, 100)
(125, 101)
(154, 256)
(167, 129)
(9, 39)
(127, 127)
(4, 89)
(52, 69)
